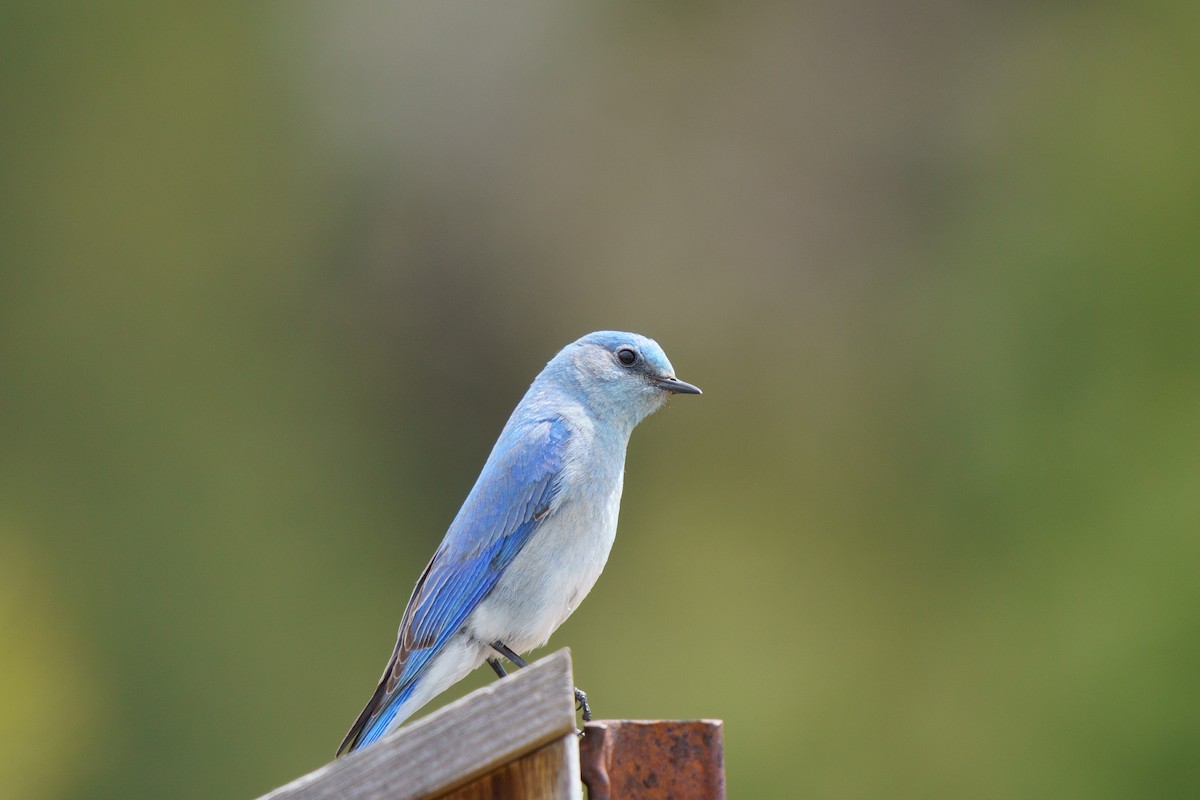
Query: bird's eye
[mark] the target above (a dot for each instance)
(627, 356)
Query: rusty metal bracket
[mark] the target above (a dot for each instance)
(653, 760)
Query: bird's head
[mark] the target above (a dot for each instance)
(623, 376)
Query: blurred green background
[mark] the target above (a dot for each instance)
(272, 276)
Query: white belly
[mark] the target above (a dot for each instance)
(552, 574)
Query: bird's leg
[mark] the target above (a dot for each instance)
(495, 664)
(504, 650)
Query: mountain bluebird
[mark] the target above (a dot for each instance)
(535, 531)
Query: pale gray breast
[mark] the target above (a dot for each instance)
(561, 562)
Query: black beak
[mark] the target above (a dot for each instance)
(676, 386)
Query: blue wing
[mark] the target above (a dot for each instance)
(506, 505)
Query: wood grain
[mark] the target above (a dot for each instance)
(548, 773)
(489, 728)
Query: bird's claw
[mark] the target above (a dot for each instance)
(582, 704)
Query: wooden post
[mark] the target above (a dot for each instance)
(514, 738)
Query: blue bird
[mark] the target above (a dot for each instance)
(535, 531)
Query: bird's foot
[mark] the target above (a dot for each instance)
(581, 702)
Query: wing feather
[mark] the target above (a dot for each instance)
(507, 504)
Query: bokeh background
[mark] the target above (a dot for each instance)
(272, 276)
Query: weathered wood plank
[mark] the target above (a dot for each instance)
(548, 773)
(492, 726)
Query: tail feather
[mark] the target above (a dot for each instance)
(376, 728)
(379, 706)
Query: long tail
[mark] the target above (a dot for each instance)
(376, 717)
